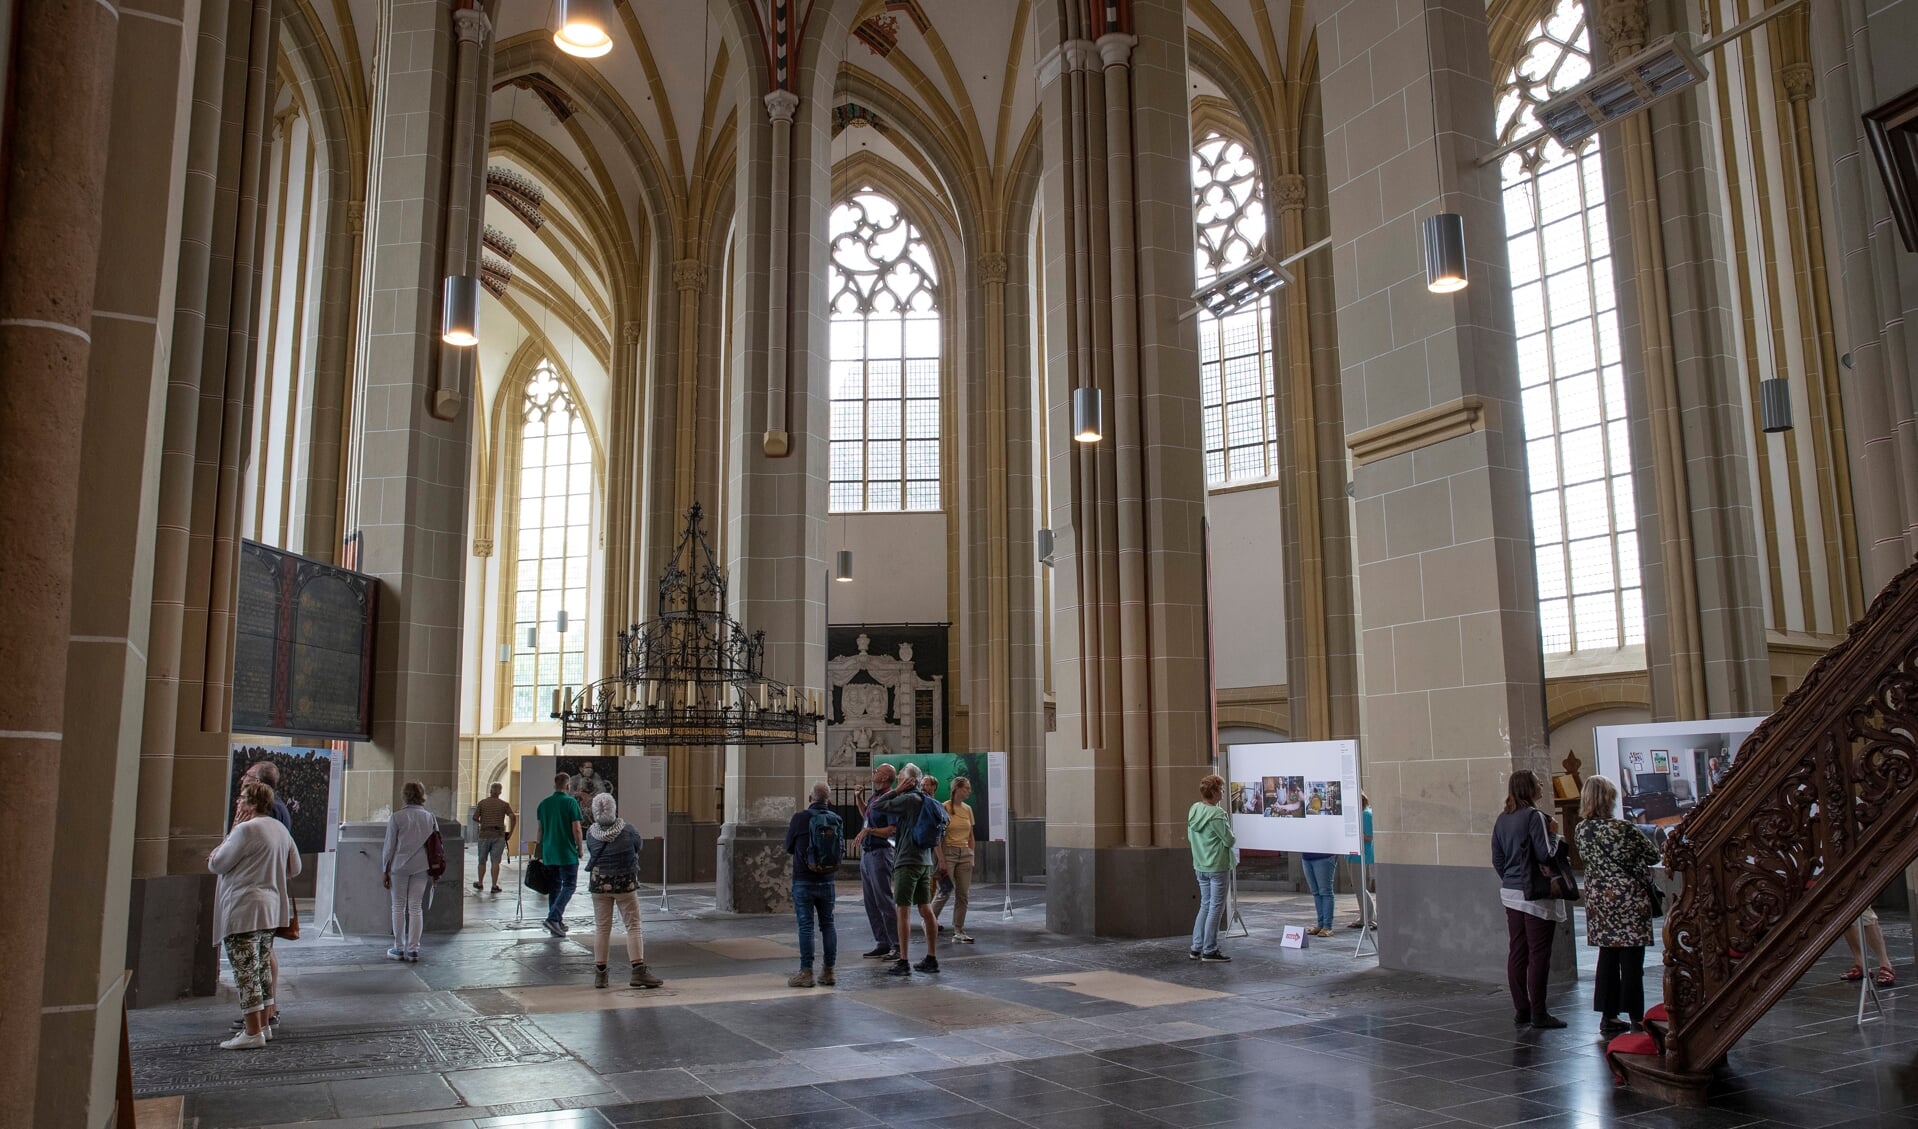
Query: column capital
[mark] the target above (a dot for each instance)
(631, 334)
(1622, 25)
(689, 274)
(471, 25)
(1798, 81)
(356, 217)
(482, 546)
(992, 268)
(781, 105)
(1071, 55)
(1289, 189)
(1115, 49)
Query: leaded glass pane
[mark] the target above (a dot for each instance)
(552, 542)
(1236, 353)
(885, 358)
(1578, 445)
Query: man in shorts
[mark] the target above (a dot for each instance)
(911, 870)
(495, 818)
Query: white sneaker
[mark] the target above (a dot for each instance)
(244, 1042)
(962, 938)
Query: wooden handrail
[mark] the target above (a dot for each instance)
(1818, 812)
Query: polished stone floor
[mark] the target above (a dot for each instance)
(500, 1026)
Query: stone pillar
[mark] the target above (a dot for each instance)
(60, 82)
(1452, 689)
(1134, 729)
(113, 579)
(776, 490)
(1697, 529)
(410, 468)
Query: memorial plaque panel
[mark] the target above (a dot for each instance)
(304, 655)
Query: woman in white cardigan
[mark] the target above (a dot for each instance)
(253, 864)
(404, 865)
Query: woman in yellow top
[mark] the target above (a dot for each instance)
(955, 859)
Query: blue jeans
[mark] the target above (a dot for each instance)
(875, 880)
(815, 896)
(1318, 877)
(1205, 931)
(565, 880)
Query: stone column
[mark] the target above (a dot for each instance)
(1452, 688)
(1134, 731)
(1698, 536)
(60, 81)
(776, 490)
(411, 465)
(113, 579)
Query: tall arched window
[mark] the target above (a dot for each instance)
(552, 551)
(1235, 351)
(1569, 357)
(885, 359)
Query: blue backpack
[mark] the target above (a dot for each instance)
(825, 842)
(929, 826)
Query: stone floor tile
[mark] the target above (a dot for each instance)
(259, 1105)
(751, 1104)
(497, 1086)
(402, 1093)
(656, 1085)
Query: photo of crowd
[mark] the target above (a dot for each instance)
(306, 780)
(592, 776)
(1285, 797)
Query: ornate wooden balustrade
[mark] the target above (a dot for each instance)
(1819, 811)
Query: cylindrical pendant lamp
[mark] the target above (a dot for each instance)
(1445, 253)
(585, 28)
(1088, 409)
(1774, 404)
(1043, 539)
(842, 566)
(459, 314)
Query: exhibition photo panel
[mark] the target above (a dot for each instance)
(1664, 769)
(1294, 796)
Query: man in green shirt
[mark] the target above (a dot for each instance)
(559, 817)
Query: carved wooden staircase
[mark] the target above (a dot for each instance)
(1818, 813)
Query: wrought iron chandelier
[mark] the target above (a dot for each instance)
(691, 675)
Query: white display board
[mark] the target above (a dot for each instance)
(1663, 769)
(1295, 796)
(638, 783)
(998, 819)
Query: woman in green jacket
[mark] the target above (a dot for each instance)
(1209, 831)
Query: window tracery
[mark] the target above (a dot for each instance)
(1235, 352)
(884, 297)
(552, 549)
(1571, 371)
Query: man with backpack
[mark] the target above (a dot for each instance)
(816, 839)
(921, 820)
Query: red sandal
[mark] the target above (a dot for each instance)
(1886, 978)
(1853, 974)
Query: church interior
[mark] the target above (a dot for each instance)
(709, 400)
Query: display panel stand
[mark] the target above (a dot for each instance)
(323, 898)
(519, 893)
(665, 866)
(1232, 902)
(1005, 914)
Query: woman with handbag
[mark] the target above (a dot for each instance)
(612, 878)
(253, 864)
(405, 863)
(1523, 845)
(1618, 905)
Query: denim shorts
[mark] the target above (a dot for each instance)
(496, 848)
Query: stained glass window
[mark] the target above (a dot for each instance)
(1571, 371)
(1235, 351)
(552, 550)
(885, 359)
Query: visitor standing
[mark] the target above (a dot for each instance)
(875, 841)
(612, 878)
(1208, 830)
(816, 840)
(1320, 878)
(955, 859)
(495, 819)
(559, 817)
(251, 900)
(920, 832)
(268, 773)
(404, 866)
(1618, 905)
(1522, 838)
(1368, 908)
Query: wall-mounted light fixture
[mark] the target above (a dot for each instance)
(559, 621)
(1043, 541)
(459, 313)
(506, 652)
(532, 638)
(1088, 409)
(1774, 405)
(842, 566)
(585, 28)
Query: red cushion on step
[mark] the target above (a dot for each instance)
(1636, 1043)
(1657, 1014)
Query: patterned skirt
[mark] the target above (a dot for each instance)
(597, 883)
